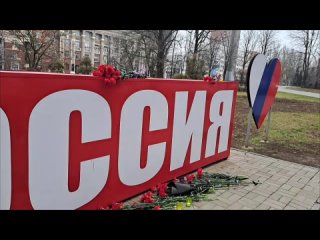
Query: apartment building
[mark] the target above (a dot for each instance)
(101, 46)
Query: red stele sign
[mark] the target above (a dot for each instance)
(71, 142)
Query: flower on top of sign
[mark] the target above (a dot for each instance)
(111, 75)
(209, 79)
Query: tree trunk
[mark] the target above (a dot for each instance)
(196, 44)
(174, 45)
(160, 64)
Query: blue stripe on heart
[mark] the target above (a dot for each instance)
(263, 89)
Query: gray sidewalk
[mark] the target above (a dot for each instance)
(284, 185)
(303, 93)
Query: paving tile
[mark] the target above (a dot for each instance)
(262, 207)
(284, 185)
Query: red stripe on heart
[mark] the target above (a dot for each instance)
(271, 94)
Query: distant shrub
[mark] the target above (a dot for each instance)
(56, 67)
(180, 76)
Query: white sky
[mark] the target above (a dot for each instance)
(283, 36)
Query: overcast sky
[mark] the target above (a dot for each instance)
(283, 36)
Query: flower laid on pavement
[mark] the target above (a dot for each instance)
(178, 193)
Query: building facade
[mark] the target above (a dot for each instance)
(101, 46)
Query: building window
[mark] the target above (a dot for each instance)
(98, 38)
(97, 49)
(67, 44)
(77, 46)
(1, 67)
(14, 45)
(88, 41)
(14, 56)
(67, 66)
(78, 57)
(67, 54)
(87, 47)
(0, 41)
(97, 58)
(15, 66)
(105, 50)
(77, 34)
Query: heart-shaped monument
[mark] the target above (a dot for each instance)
(262, 80)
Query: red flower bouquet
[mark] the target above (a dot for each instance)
(209, 79)
(109, 74)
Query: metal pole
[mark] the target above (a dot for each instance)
(233, 51)
(248, 128)
(268, 125)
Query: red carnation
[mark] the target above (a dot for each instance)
(199, 173)
(117, 206)
(117, 73)
(102, 67)
(162, 193)
(147, 198)
(208, 79)
(97, 73)
(154, 189)
(107, 80)
(190, 178)
(157, 208)
(113, 81)
(108, 75)
(163, 187)
(110, 70)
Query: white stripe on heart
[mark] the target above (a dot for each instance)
(257, 68)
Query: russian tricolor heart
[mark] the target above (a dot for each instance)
(262, 80)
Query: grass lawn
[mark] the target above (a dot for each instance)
(304, 89)
(294, 133)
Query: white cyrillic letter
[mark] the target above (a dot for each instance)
(130, 172)
(5, 162)
(49, 149)
(185, 129)
(223, 121)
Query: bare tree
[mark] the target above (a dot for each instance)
(291, 64)
(266, 39)
(275, 50)
(199, 39)
(306, 40)
(211, 50)
(149, 50)
(130, 50)
(178, 42)
(187, 42)
(247, 47)
(198, 43)
(318, 68)
(36, 44)
(317, 84)
(226, 38)
(163, 40)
